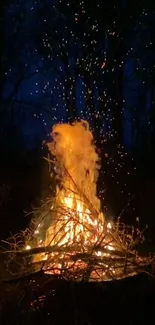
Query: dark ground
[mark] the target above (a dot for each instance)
(58, 302)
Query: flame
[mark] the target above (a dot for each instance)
(79, 223)
(78, 164)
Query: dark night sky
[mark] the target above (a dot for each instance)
(63, 61)
(98, 46)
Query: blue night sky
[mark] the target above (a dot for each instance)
(47, 50)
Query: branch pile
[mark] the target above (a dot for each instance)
(69, 236)
(111, 256)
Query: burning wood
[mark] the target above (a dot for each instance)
(72, 238)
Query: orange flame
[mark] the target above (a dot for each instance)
(79, 222)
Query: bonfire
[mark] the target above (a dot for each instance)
(70, 237)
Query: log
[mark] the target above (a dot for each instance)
(71, 249)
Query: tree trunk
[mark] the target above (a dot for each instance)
(96, 118)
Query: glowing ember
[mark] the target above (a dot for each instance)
(28, 247)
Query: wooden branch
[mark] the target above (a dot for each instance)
(70, 249)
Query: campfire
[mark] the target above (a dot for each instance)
(71, 237)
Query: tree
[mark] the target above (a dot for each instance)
(21, 66)
(140, 82)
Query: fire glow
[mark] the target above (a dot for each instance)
(79, 244)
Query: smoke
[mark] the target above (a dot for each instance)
(74, 149)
